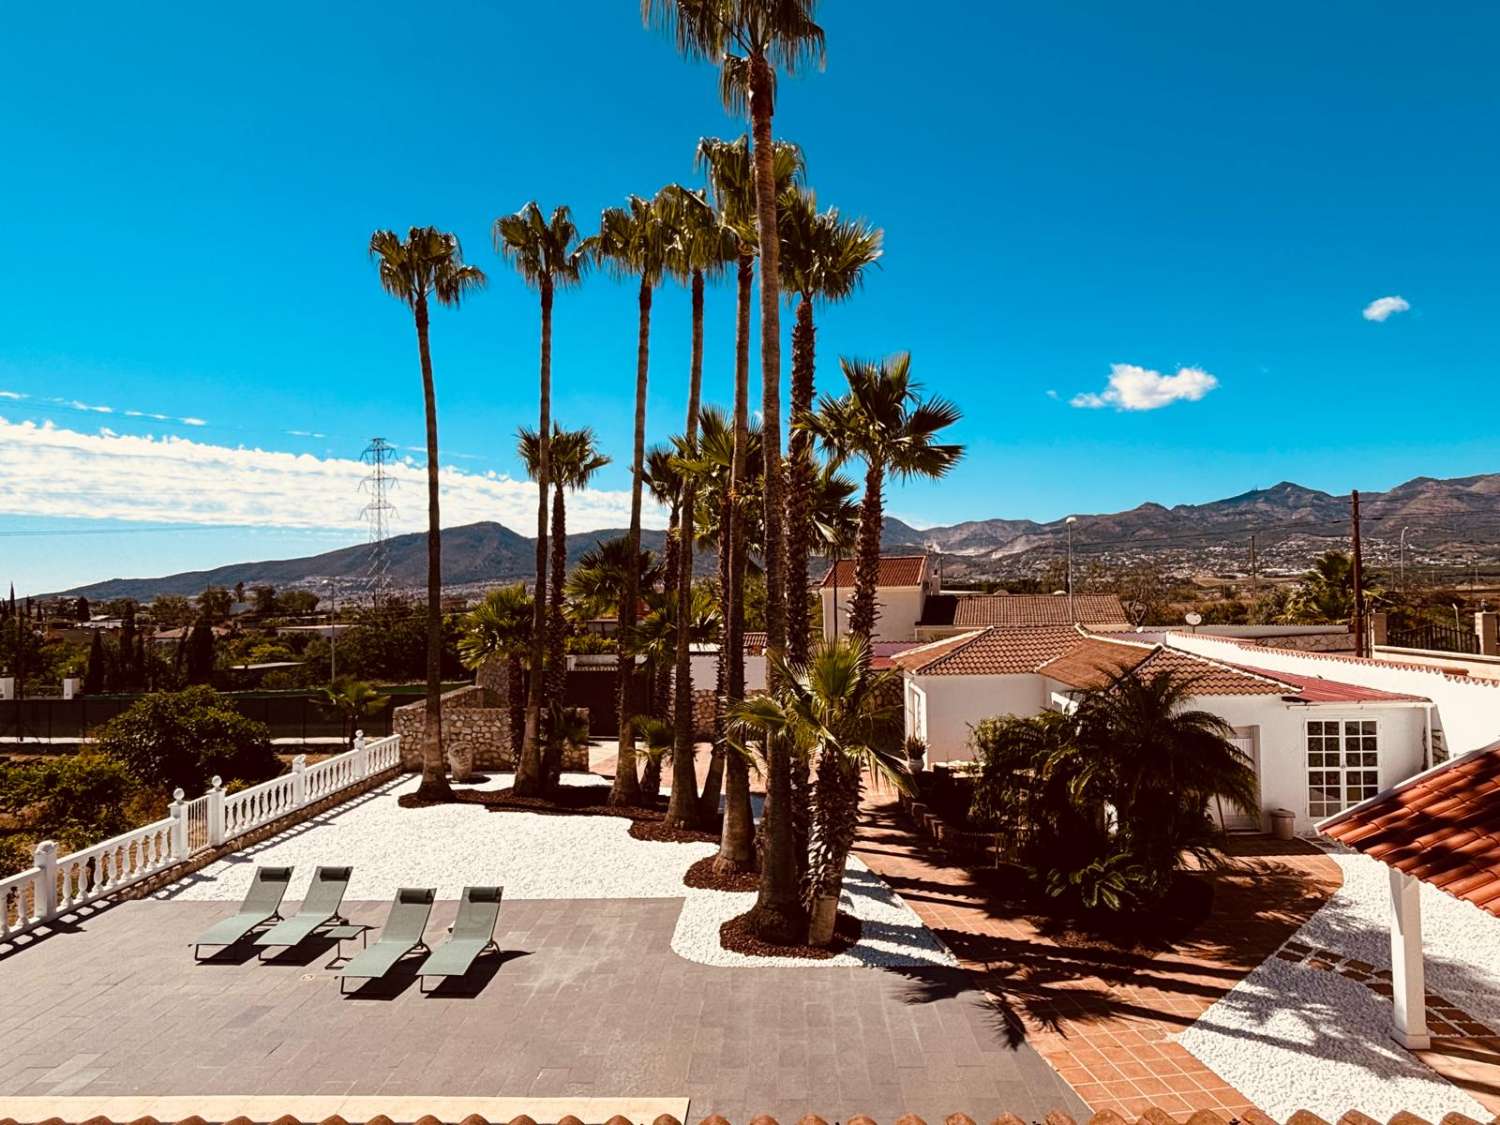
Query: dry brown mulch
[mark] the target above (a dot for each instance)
(735, 935)
(701, 876)
(651, 828)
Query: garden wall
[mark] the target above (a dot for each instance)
(476, 730)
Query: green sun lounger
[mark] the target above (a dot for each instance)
(473, 934)
(402, 935)
(262, 904)
(318, 909)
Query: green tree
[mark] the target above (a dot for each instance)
(200, 652)
(182, 739)
(171, 611)
(883, 423)
(1325, 594)
(546, 255)
(75, 799)
(830, 711)
(129, 665)
(263, 600)
(96, 678)
(500, 627)
(823, 259)
(81, 611)
(428, 263)
(216, 604)
(296, 603)
(633, 241)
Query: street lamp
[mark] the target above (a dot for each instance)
(1069, 522)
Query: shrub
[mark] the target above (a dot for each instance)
(182, 739)
(15, 854)
(77, 800)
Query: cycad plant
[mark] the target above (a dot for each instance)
(545, 252)
(428, 265)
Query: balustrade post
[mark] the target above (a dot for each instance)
(178, 812)
(45, 857)
(216, 812)
(361, 756)
(299, 780)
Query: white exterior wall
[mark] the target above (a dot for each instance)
(953, 704)
(706, 672)
(1281, 732)
(898, 609)
(1467, 708)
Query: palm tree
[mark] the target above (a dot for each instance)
(544, 253)
(883, 423)
(656, 745)
(633, 241)
(745, 183)
(702, 247)
(598, 579)
(352, 699)
(823, 258)
(501, 627)
(829, 711)
(428, 263)
(575, 458)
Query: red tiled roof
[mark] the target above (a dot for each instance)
(977, 610)
(1453, 670)
(989, 652)
(1442, 827)
(1095, 662)
(895, 570)
(1315, 689)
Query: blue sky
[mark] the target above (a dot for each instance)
(1064, 189)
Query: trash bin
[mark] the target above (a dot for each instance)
(1281, 823)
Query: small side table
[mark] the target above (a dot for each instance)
(344, 932)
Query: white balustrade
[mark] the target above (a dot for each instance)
(58, 884)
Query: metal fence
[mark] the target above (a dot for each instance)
(1436, 638)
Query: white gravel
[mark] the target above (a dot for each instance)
(544, 857)
(1293, 1037)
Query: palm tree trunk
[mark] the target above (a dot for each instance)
(799, 479)
(557, 660)
(515, 688)
(737, 837)
(682, 810)
(529, 779)
(798, 536)
(835, 822)
(434, 786)
(777, 916)
(867, 558)
(626, 789)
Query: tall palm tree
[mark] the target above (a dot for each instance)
(428, 263)
(881, 421)
(633, 241)
(744, 184)
(829, 711)
(597, 581)
(574, 459)
(823, 258)
(501, 627)
(701, 248)
(545, 254)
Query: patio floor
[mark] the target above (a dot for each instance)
(589, 1001)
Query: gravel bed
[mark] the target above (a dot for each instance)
(545, 857)
(1293, 1037)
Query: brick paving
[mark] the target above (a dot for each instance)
(1100, 1015)
(589, 1001)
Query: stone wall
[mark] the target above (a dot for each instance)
(476, 731)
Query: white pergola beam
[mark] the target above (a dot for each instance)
(1409, 990)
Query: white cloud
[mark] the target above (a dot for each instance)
(1140, 388)
(49, 471)
(16, 396)
(1382, 308)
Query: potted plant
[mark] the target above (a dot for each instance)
(916, 753)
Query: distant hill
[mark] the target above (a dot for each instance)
(1447, 519)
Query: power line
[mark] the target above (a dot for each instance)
(378, 512)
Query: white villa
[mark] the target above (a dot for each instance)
(1324, 731)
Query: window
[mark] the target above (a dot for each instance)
(916, 712)
(1342, 764)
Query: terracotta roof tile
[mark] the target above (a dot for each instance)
(1315, 689)
(976, 610)
(895, 570)
(989, 652)
(1442, 827)
(1095, 662)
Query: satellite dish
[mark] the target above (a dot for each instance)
(1194, 619)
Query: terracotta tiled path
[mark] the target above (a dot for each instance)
(1100, 1015)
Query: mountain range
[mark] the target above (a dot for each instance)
(1445, 521)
